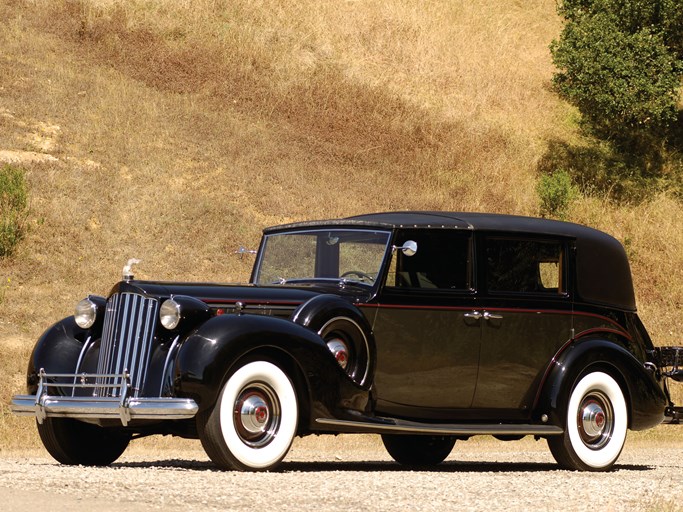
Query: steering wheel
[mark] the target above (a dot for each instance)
(360, 274)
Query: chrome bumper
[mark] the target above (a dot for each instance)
(124, 407)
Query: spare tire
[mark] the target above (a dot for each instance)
(341, 324)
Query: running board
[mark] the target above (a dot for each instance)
(385, 425)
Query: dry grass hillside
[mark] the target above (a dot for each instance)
(175, 130)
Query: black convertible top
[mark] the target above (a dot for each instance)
(603, 271)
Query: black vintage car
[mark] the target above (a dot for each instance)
(424, 327)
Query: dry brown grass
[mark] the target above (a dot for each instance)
(182, 128)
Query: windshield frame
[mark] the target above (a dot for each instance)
(325, 280)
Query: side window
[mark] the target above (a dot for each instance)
(524, 266)
(442, 261)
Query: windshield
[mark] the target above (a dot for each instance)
(334, 254)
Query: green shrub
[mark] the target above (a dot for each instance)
(13, 208)
(599, 169)
(556, 192)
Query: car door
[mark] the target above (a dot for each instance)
(526, 317)
(427, 346)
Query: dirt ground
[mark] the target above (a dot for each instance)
(352, 473)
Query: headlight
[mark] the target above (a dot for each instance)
(169, 314)
(85, 314)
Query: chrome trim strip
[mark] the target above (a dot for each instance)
(398, 426)
(170, 354)
(86, 345)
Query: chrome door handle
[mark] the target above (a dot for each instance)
(476, 315)
(492, 316)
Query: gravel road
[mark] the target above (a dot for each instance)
(342, 473)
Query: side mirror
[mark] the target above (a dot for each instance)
(409, 248)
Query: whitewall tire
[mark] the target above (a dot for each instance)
(254, 421)
(596, 425)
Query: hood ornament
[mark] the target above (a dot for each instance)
(127, 272)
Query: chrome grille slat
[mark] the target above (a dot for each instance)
(129, 325)
(108, 336)
(140, 371)
(124, 325)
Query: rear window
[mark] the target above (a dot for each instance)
(524, 266)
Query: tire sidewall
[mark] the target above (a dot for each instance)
(271, 454)
(605, 456)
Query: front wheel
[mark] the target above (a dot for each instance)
(73, 442)
(254, 421)
(417, 450)
(597, 421)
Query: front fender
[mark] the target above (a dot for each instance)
(644, 394)
(56, 351)
(208, 356)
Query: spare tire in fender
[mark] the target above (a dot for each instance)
(337, 320)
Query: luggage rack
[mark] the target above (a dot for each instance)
(670, 357)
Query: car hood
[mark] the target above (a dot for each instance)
(219, 294)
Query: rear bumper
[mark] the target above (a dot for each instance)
(674, 415)
(670, 362)
(124, 407)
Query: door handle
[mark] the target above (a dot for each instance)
(491, 316)
(476, 315)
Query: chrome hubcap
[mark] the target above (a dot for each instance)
(256, 415)
(595, 420)
(340, 351)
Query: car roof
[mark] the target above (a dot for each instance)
(603, 271)
(454, 220)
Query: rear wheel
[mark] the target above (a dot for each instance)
(73, 442)
(596, 425)
(254, 421)
(417, 450)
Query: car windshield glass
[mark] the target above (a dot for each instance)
(350, 254)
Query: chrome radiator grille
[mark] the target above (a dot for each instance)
(129, 325)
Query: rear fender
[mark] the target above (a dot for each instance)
(208, 356)
(643, 391)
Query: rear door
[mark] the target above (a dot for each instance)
(526, 317)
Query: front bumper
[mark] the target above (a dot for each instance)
(124, 407)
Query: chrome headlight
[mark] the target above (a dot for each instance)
(85, 314)
(169, 314)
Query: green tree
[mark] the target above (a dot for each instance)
(620, 63)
